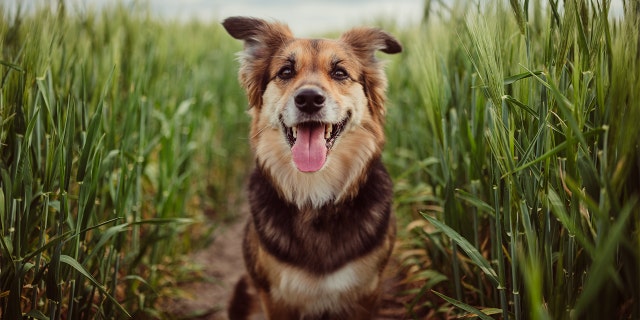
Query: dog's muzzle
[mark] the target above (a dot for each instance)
(311, 138)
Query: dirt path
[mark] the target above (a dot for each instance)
(222, 263)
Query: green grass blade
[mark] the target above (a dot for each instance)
(474, 201)
(465, 306)
(554, 151)
(559, 210)
(601, 269)
(12, 66)
(517, 77)
(566, 108)
(105, 237)
(514, 102)
(53, 241)
(78, 267)
(467, 247)
(2, 209)
(93, 131)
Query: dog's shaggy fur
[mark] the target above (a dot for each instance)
(321, 227)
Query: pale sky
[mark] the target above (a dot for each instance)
(305, 17)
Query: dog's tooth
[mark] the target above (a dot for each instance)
(328, 129)
(294, 129)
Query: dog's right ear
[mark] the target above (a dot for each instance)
(261, 40)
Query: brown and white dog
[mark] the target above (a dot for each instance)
(321, 227)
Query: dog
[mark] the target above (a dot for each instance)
(321, 228)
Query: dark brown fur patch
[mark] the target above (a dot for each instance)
(322, 240)
(240, 306)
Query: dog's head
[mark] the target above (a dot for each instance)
(317, 104)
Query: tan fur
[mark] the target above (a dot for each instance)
(348, 289)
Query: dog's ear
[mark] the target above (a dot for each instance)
(261, 40)
(365, 42)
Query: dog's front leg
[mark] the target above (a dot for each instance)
(367, 306)
(276, 310)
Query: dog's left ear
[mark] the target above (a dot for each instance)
(261, 40)
(366, 41)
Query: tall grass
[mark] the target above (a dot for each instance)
(525, 168)
(111, 147)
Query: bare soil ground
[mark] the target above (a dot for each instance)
(221, 262)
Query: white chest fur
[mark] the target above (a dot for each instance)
(318, 293)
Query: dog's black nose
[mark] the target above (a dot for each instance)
(309, 100)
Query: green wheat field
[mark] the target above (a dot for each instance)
(512, 137)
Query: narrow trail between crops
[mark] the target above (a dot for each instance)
(222, 266)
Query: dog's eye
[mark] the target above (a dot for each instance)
(339, 74)
(286, 73)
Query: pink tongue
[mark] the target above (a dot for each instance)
(310, 150)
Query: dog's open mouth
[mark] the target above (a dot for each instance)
(310, 142)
